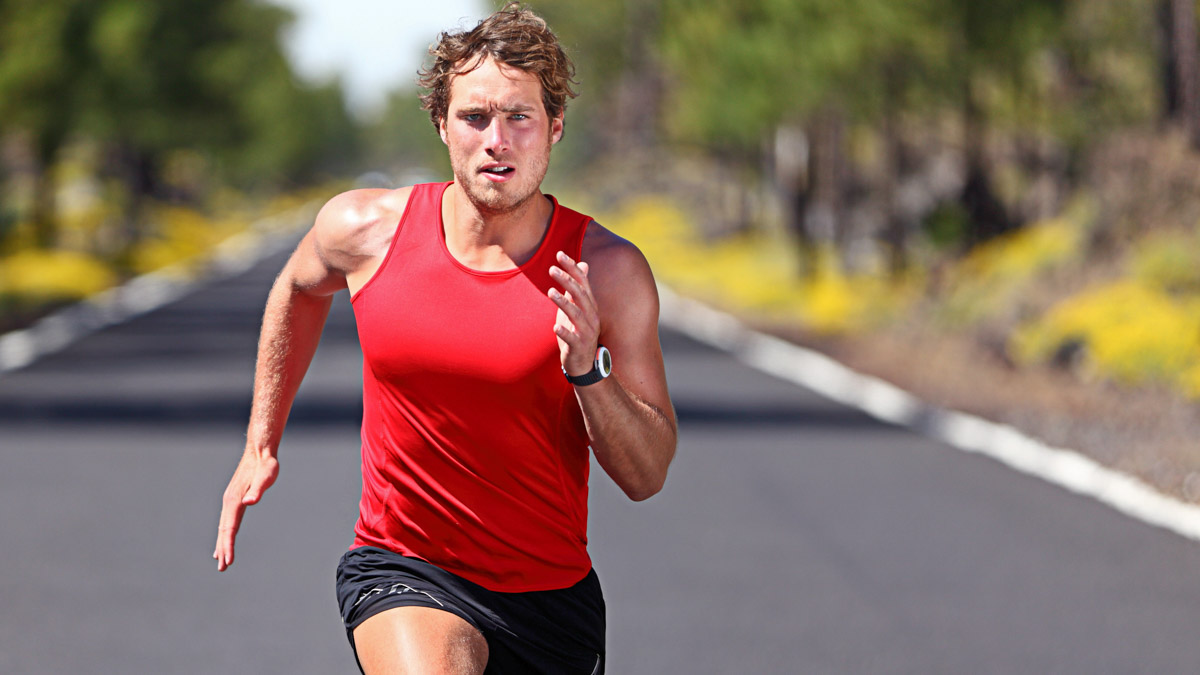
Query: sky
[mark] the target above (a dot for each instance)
(373, 45)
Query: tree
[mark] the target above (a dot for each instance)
(742, 70)
(146, 79)
(43, 56)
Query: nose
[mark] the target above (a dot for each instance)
(496, 136)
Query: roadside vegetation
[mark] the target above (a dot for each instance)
(136, 135)
(994, 204)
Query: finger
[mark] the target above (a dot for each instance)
(573, 340)
(225, 549)
(564, 322)
(223, 554)
(577, 270)
(571, 310)
(561, 320)
(227, 529)
(578, 286)
(226, 536)
(575, 294)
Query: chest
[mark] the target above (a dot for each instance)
(427, 320)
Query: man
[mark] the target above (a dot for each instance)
(502, 335)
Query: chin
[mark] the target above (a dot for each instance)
(494, 198)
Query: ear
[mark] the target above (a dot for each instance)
(556, 129)
(442, 130)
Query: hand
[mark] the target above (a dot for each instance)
(577, 324)
(255, 473)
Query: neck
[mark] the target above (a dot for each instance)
(493, 240)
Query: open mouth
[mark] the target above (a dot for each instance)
(499, 170)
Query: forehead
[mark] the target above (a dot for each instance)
(495, 84)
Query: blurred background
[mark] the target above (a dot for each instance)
(994, 205)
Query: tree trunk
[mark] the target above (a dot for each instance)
(45, 189)
(822, 211)
(987, 217)
(788, 161)
(44, 212)
(1183, 49)
(1166, 54)
(895, 232)
(810, 260)
(137, 170)
(639, 90)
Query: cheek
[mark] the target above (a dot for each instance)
(535, 138)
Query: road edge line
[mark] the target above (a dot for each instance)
(145, 293)
(968, 433)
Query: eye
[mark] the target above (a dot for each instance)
(519, 117)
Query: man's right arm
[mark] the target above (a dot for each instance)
(338, 244)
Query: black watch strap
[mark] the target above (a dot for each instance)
(601, 368)
(590, 377)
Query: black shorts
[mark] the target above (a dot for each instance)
(551, 632)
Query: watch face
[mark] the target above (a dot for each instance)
(604, 361)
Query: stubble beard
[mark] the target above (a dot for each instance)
(500, 198)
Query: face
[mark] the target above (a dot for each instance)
(499, 135)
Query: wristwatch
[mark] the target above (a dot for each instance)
(601, 369)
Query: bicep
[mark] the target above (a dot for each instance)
(309, 271)
(629, 328)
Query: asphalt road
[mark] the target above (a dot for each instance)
(793, 536)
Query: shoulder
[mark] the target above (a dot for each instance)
(618, 272)
(355, 224)
(613, 255)
(353, 214)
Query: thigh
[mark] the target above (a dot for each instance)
(419, 640)
(557, 632)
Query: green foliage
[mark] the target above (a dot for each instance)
(404, 139)
(41, 61)
(740, 67)
(595, 35)
(946, 226)
(149, 78)
(281, 130)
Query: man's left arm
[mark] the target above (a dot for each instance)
(612, 300)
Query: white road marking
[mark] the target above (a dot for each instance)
(969, 433)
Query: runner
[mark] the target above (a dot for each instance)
(503, 335)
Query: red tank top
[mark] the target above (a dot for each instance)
(474, 451)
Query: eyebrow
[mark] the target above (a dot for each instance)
(477, 109)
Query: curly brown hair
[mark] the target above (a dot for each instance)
(514, 36)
